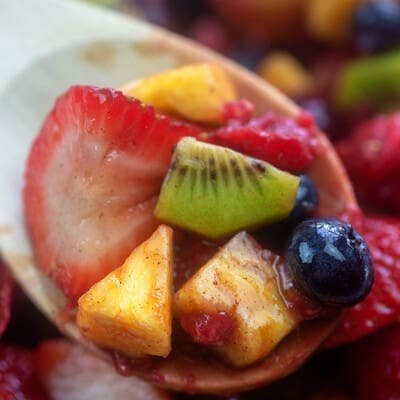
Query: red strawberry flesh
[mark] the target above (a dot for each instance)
(284, 142)
(373, 151)
(92, 180)
(382, 305)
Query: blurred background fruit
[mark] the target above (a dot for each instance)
(260, 20)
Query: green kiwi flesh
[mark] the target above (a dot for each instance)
(373, 80)
(216, 192)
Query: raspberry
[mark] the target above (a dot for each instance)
(382, 305)
(211, 329)
(372, 151)
(374, 364)
(241, 110)
(18, 378)
(284, 142)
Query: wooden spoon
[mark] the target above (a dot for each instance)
(48, 45)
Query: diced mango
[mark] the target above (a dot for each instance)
(286, 73)
(240, 281)
(196, 92)
(130, 309)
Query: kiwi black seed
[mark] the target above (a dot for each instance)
(216, 192)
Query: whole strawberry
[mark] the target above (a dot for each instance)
(372, 158)
(382, 305)
(374, 365)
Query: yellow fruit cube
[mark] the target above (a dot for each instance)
(285, 72)
(130, 309)
(196, 92)
(240, 281)
(329, 20)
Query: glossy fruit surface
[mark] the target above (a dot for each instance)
(382, 305)
(284, 142)
(216, 192)
(92, 179)
(216, 329)
(129, 310)
(239, 281)
(207, 86)
(306, 204)
(329, 262)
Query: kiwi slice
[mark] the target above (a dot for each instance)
(374, 80)
(216, 192)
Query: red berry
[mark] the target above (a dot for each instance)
(210, 329)
(286, 143)
(241, 111)
(92, 180)
(306, 119)
(373, 151)
(382, 305)
(374, 365)
(18, 378)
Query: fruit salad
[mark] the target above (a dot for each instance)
(118, 190)
(181, 224)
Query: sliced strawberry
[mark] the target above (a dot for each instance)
(69, 372)
(92, 180)
(284, 142)
(382, 305)
(6, 288)
(18, 379)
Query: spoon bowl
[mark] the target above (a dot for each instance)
(63, 43)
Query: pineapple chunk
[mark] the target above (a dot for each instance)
(130, 309)
(286, 73)
(196, 92)
(330, 20)
(240, 281)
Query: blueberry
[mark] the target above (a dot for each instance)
(376, 26)
(329, 262)
(305, 206)
(306, 202)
